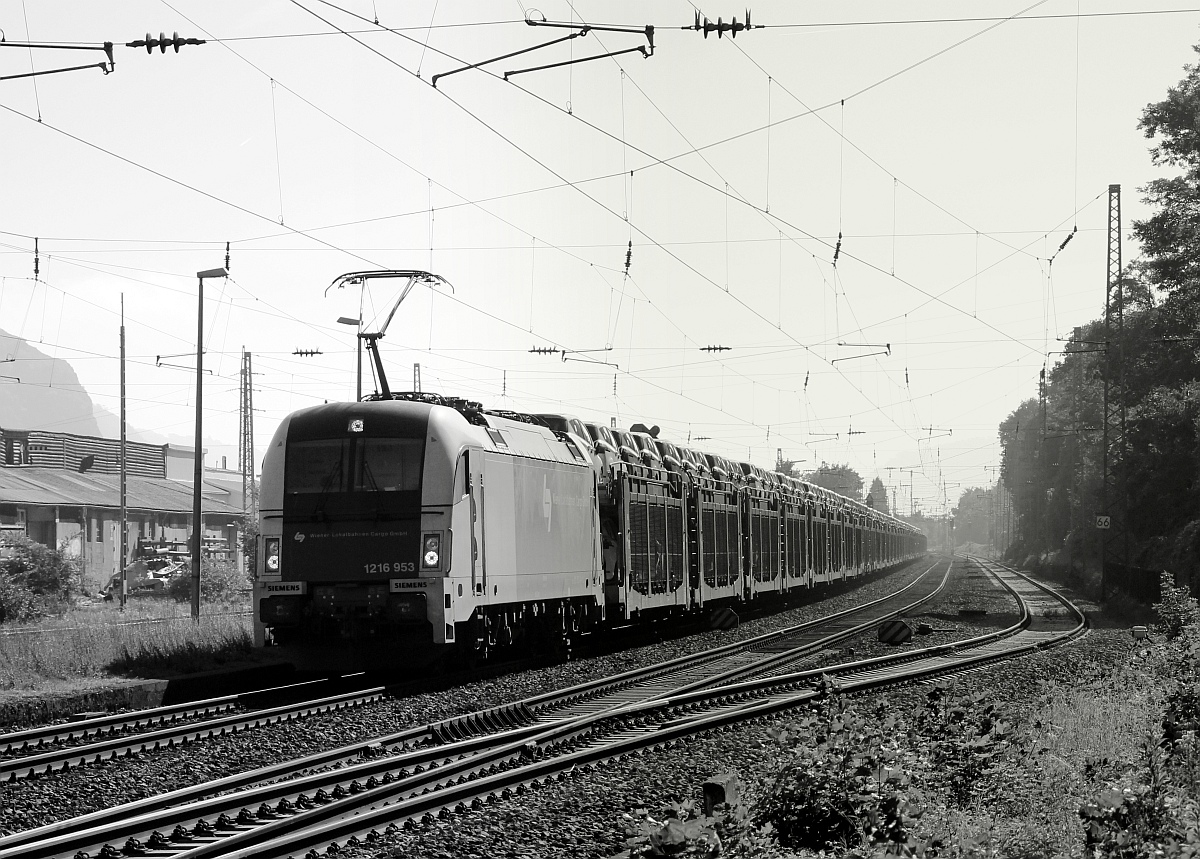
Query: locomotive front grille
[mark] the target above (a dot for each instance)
(344, 601)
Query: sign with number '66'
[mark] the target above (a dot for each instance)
(1104, 522)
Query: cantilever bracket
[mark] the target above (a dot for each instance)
(639, 49)
(646, 51)
(647, 31)
(583, 32)
(107, 67)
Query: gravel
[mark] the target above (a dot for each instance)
(567, 818)
(584, 817)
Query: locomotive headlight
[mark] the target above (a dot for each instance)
(431, 551)
(271, 554)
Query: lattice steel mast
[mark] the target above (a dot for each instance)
(1114, 539)
(246, 439)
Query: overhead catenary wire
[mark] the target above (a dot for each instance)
(780, 231)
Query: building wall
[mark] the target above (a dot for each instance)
(93, 536)
(12, 519)
(179, 462)
(41, 524)
(69, 452)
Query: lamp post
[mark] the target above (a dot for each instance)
(346, 320)
(198, 471)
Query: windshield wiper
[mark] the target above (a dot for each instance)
(369, 475)
(326, 486)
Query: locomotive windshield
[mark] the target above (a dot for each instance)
(354, 464)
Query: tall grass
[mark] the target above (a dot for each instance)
(101, 643)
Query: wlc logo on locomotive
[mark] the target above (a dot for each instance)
(299, 538)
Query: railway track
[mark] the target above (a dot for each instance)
(574, 749)
(40, 751)
(45, 750)
(455, 765)
(445, 756)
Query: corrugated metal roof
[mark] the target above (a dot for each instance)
(36, 485)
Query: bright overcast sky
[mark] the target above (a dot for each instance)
(952, 146)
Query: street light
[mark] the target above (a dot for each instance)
(346, 320)
(198, 472)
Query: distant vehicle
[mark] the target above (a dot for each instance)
(145, 577)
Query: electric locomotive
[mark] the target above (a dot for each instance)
(395, 527)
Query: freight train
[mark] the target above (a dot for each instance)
(413, 525)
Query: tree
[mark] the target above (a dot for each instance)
(878, 495)
(1170, 238)
(973, 516)
(790, 467)
(841, 479)
(1053, 456)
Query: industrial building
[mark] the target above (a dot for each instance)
(64, 490)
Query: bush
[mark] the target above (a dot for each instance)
(35, 580)
(1157, 813)
(1177, 611)
(220, 581)
(1155, 818)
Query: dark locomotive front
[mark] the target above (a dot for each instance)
(349, 531)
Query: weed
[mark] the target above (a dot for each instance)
(1143, 819)
(94, 645)
(678, 830)
(965, 735)
(846, 786)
